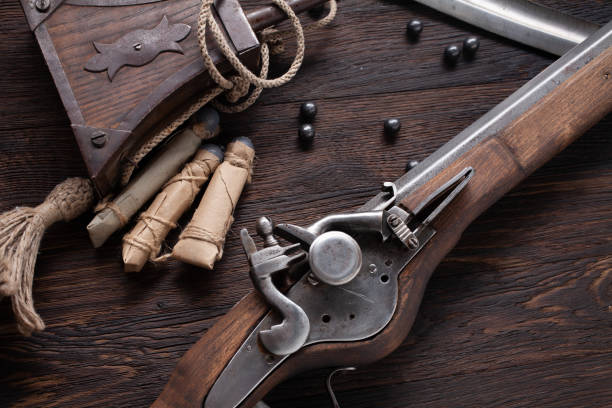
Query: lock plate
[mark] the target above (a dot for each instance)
(351, 312)
(354, 311)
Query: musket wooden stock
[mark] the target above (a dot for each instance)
(500, 163)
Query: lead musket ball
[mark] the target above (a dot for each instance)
(392, 126)
(470, 46)
(411, 165)
(451, 54)
(306, 133)
(414, 29)
(308, 111)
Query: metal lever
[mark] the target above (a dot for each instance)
(329, 386)
(288, 336)
(389, 220)
(389, 187)
(433, 205)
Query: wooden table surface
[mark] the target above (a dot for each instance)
(519, 314)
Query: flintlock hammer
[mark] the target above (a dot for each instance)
(358, 278)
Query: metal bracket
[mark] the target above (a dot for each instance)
(37, 11)
(239, 31)
(401, 230)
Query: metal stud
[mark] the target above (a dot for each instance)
(394, 220)
(42, 5)
(99, 138)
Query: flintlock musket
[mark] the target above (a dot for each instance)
(358, 278)
(124, 67)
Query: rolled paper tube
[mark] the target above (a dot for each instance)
(201, 243)
(144, 241)
(161, 168)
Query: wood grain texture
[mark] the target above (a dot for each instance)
(144, 88)
(499, 163)
(517, 315)
(586, 99)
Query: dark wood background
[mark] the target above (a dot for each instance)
(519, 314)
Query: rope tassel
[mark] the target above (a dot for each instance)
(21, 231)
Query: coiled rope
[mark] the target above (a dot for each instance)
(22, 228)
(237, 86)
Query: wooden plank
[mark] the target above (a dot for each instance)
(517, 315)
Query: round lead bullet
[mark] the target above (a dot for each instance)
(414, 29)
(451, 54)
(410, 165)
(470, 46)
(306, 133)
(308, 111)
(392, 126)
